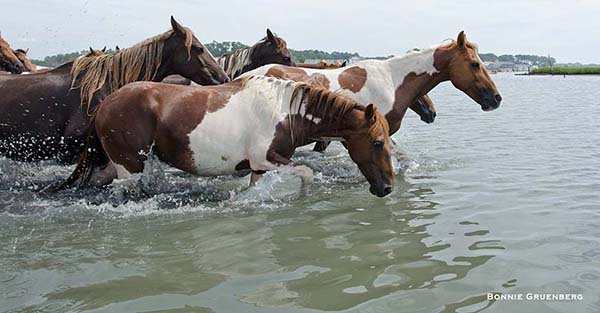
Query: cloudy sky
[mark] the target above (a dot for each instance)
(569, 30)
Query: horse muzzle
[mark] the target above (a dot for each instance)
(428, 116)
(490, 99)
(381, 190)
(13, 68)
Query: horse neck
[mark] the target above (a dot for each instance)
(414, 75)
(237, 62)
(311, 128)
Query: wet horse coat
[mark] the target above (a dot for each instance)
(396, 83)
(254, 123)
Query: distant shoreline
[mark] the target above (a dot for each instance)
(566, 71)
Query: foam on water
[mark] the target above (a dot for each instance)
(161, 190)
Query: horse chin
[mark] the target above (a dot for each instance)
(428, 118)
(488, 107)
(380, 192)
(13, 69)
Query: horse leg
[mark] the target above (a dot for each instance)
(320, 146)
(104, 175)
(254, 178)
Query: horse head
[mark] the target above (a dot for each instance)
(467, 73)
(271, 50)
(425, 108)
(22, 56)
(369, 147)
(184, 54)
(8, 60)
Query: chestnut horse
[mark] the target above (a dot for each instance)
(253, 123)
(22, 56)
(9, 62)
(396, 83)
(269, 50)
(41, 115)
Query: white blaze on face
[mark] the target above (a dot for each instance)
(242, 130)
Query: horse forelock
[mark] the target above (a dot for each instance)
(111, 71)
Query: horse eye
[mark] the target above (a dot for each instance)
(378, 144)
(287, 59)
(475, 65)
(199, 50)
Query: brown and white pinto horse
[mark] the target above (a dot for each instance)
(9, 62)
(41, 115)
(396, 83)
(252, 123)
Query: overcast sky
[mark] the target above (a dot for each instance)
(569, 30)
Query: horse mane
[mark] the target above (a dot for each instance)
(233, 63)
(109, 72)
(314, 102)
(452, 43)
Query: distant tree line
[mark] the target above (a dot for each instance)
(518, 58)
(220, 48)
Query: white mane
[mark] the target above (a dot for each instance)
(277, 94)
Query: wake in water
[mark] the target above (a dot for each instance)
(161, 189)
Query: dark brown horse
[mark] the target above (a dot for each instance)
(269, 50)
(9, 62)
(41, 115)
(253, 123)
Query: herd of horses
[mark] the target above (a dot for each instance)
(243, 112)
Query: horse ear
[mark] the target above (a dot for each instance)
(27, 51)
(91, 50)
(117, 48)
(343, 64)
(104, 49)
(271, 37)
(370, 112)
(461, 40)
(176, 26)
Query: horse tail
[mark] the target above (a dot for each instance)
(92, 156)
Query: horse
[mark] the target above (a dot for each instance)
(9, 62)
(252, 123)
(322, 65)
(272, 49)
(44, 116)
(22, 56)
(396, 83)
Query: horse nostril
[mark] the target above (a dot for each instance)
(498, 98)
(388, 189)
